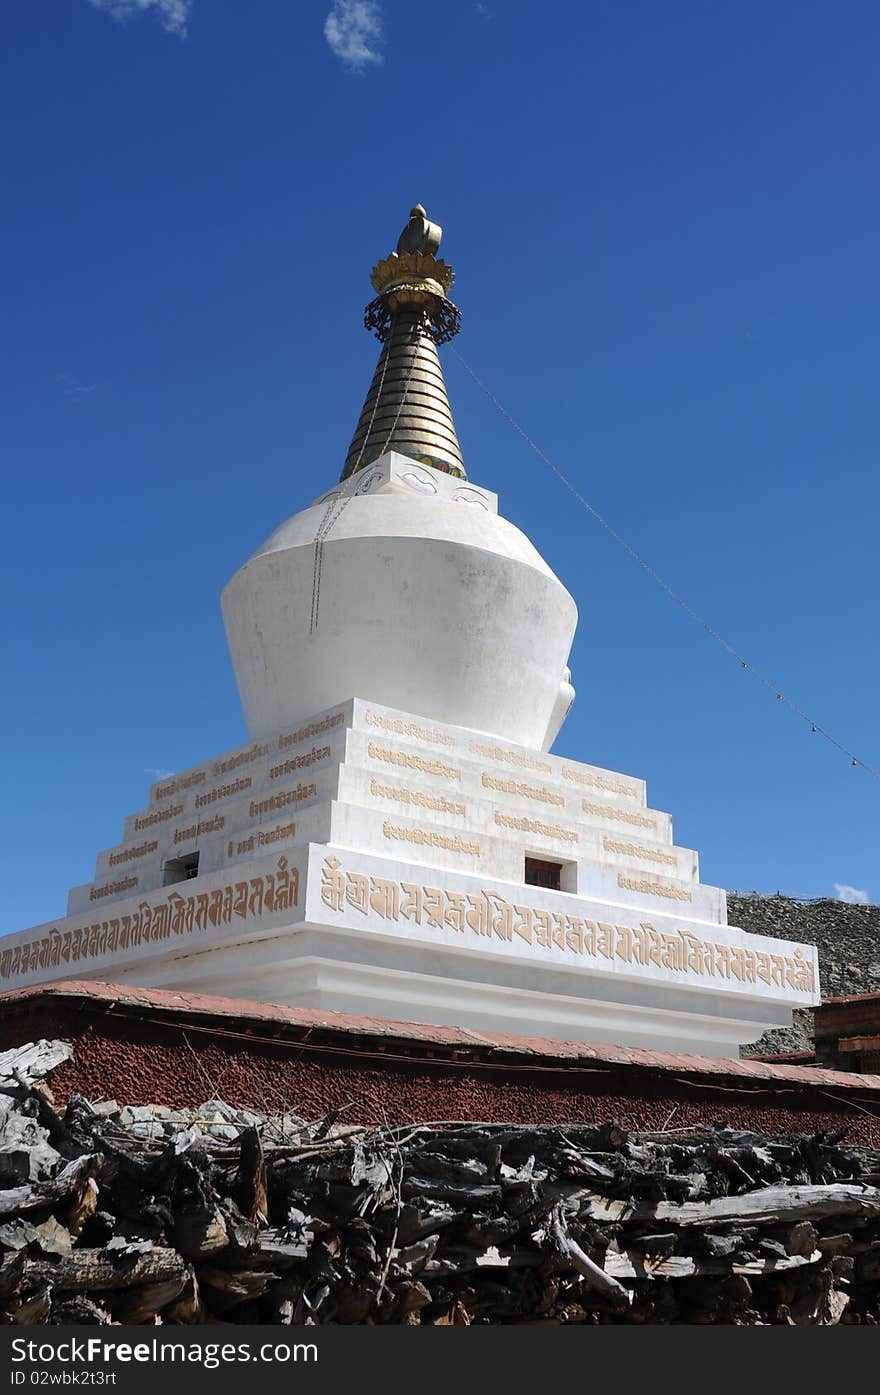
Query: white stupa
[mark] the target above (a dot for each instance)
(396, 839)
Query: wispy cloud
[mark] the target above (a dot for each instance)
(159, 774)
(73, 389)
(172, 14)
(353, 29)
(852, 895)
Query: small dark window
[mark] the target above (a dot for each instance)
(180, 869)
(541, 873)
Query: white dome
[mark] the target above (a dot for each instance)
(420, 597)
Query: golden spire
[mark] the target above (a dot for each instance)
(406, 408)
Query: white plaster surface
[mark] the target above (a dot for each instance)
(434, 922)
(418, 596)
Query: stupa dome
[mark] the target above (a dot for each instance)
(403, 585)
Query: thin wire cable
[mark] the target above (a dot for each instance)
(670, 591)
(386, 355)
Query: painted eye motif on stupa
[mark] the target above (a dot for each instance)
(421, 482)
(369, 482)
(470, 496)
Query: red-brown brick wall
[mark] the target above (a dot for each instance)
(140, 1060)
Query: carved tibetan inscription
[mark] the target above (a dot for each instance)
(410, 762)
(402, 794)
(399, 727)
(496, 921)
(157, 920)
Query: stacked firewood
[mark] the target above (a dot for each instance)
(148, 1215)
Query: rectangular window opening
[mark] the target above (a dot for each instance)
(180, 869)
(541, 873)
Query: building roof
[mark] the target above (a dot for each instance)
(253, 1019)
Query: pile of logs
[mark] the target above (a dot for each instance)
(146, 1215)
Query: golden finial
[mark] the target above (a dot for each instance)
(415, 275)
(419, 235)
(407, 409)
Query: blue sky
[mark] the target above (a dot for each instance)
(663, 218)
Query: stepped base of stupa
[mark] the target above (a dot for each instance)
(376, 862)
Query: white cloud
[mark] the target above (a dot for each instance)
(353, 29)
(159, 774)
(172, 14)
(851, 894)
(74, 390)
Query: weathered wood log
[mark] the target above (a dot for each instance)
(33, 1310)
(52, 1238)
(31, 1062)
(418, 1219)
(15, 1166)
(91, 1271)
(596, 1277)
(465, 1260)
(481, 1231)
(251, 1180)
(654, 1245)
(15, 1235)
(282, 1299)
(412, 1259)
(12, 1267)
(410, 1296)
(75, 1310)
(18, 1201)
(457, 1316)
(426, 1163)
(82, 1205)
(836, 1303)
(719, 1246)
(279, 1250)
(189, 1308)
(834, 1244)
(631, 1265)
(800, 1238)
(769, 1205)
(224, 1288)
(138, 1305)
(474, 1197)
(200, 1231)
